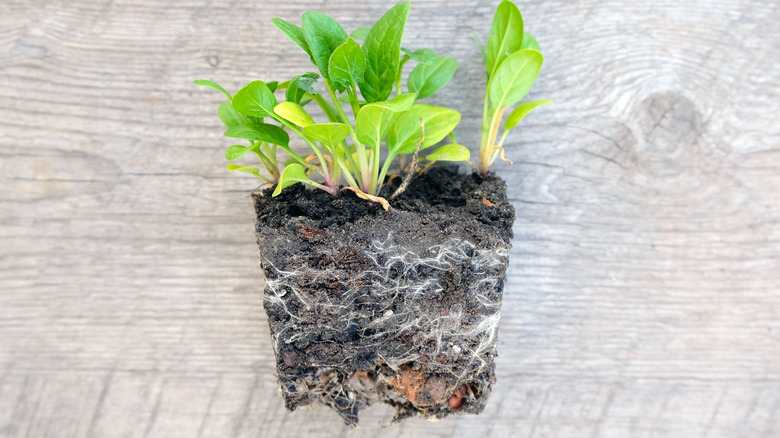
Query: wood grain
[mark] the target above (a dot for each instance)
(643, 297)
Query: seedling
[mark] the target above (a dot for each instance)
(387, 123)
(512, 60)
(401, 306)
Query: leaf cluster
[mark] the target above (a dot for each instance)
(385, 124)
(363, 72)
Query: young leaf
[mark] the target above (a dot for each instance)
(246, 169)
(383, 51)
(521, 111)
(374, 119)
(236, 151)
(260, 132)
(329, 134)
(449, 152)
(360, 33)
(405, 134)
(229, 116)
(294, 113)
(422, 56)
(294, 33)
(381, 116)
(323, 35)
(506, 35)
(400, 103)
(371, 125)
(347, 64)
(529, 42)
(214, 85)
(255, 100)
(514, 78)
(426, 80)
(300, 85)
(292, 173)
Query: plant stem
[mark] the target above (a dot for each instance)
(264, 160)
(493, 149)
(385, 168)
(266, 180)
(353, 100)
(376, 183)
(484, 146)
(347, 175)
(325, 107)
(331, 191)
(361, 151)
(398, 76)
(271, 154)
(350, 159)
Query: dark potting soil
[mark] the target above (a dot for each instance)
(399, 306)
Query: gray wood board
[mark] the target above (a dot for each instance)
(643, 297)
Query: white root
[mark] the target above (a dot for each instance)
(404, 283)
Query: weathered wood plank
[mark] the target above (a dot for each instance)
(644, 290)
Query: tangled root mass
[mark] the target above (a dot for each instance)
(399, 307)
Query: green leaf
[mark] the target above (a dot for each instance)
(360, 33)
(294, 113)
(260, 132)
(246, 169)
(506, 35)
(521, 111)
(294, 33)
(514, 78)
(423, 56)
(375, 119)
(400, 103)
(406, 132)
(426, 80)
(300, 85)
(255, 100)
(383, 52)
(329, 134)
(214, 85)
(529, 42)
(371, 125)
(347, 64)
(449, 152)
(292, 173)
(237, 151)
(323, 35)
(229, 116)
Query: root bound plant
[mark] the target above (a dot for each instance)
(384, 274)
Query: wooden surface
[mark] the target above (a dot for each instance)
(643, 297)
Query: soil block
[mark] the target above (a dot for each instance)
(399, 307)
